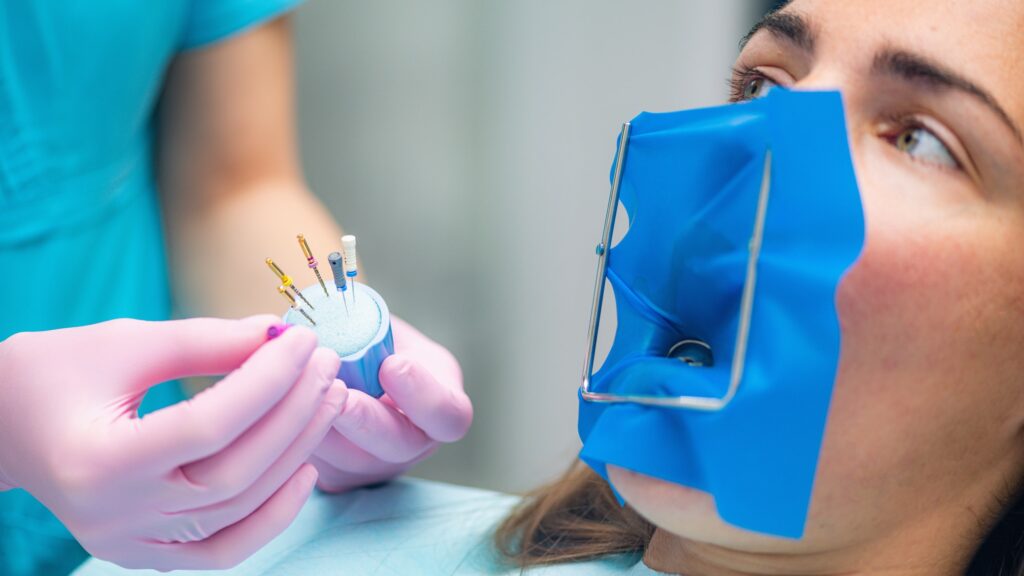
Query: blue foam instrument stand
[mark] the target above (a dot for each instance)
(360, 334)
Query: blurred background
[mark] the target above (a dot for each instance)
(468, 145)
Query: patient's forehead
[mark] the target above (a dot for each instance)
(981, 39)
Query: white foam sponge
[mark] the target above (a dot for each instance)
(345, 333)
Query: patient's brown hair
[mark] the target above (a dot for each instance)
(574, 518)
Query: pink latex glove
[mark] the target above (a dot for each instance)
(424, 405)
(200, 484)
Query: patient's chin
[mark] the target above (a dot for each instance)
(683, 511)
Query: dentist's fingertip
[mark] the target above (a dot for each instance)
(303, 332)
(396, 370)
(261, 319)
(257, 326)
(324, 364)
(336, 396)
(352, 414)
(399, 364)
(297, 338)
(332, 363)
(307, 477)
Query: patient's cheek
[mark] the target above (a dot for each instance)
(871, 289)
(902, 283)
(902, 307)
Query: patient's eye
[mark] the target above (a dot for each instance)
(757, 87)
(749, 84)
(922, 145)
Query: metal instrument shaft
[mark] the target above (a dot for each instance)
(295, 305)
(312, 262)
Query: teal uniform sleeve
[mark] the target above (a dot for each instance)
(210, 21)
(78, 192)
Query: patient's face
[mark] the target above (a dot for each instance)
(925, 427)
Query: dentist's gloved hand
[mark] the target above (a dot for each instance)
(200, 484)
(424, 405)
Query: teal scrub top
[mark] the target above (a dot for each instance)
(81, 239)
(405, 527)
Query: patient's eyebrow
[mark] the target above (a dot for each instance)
(789, 26)
(919, 69)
